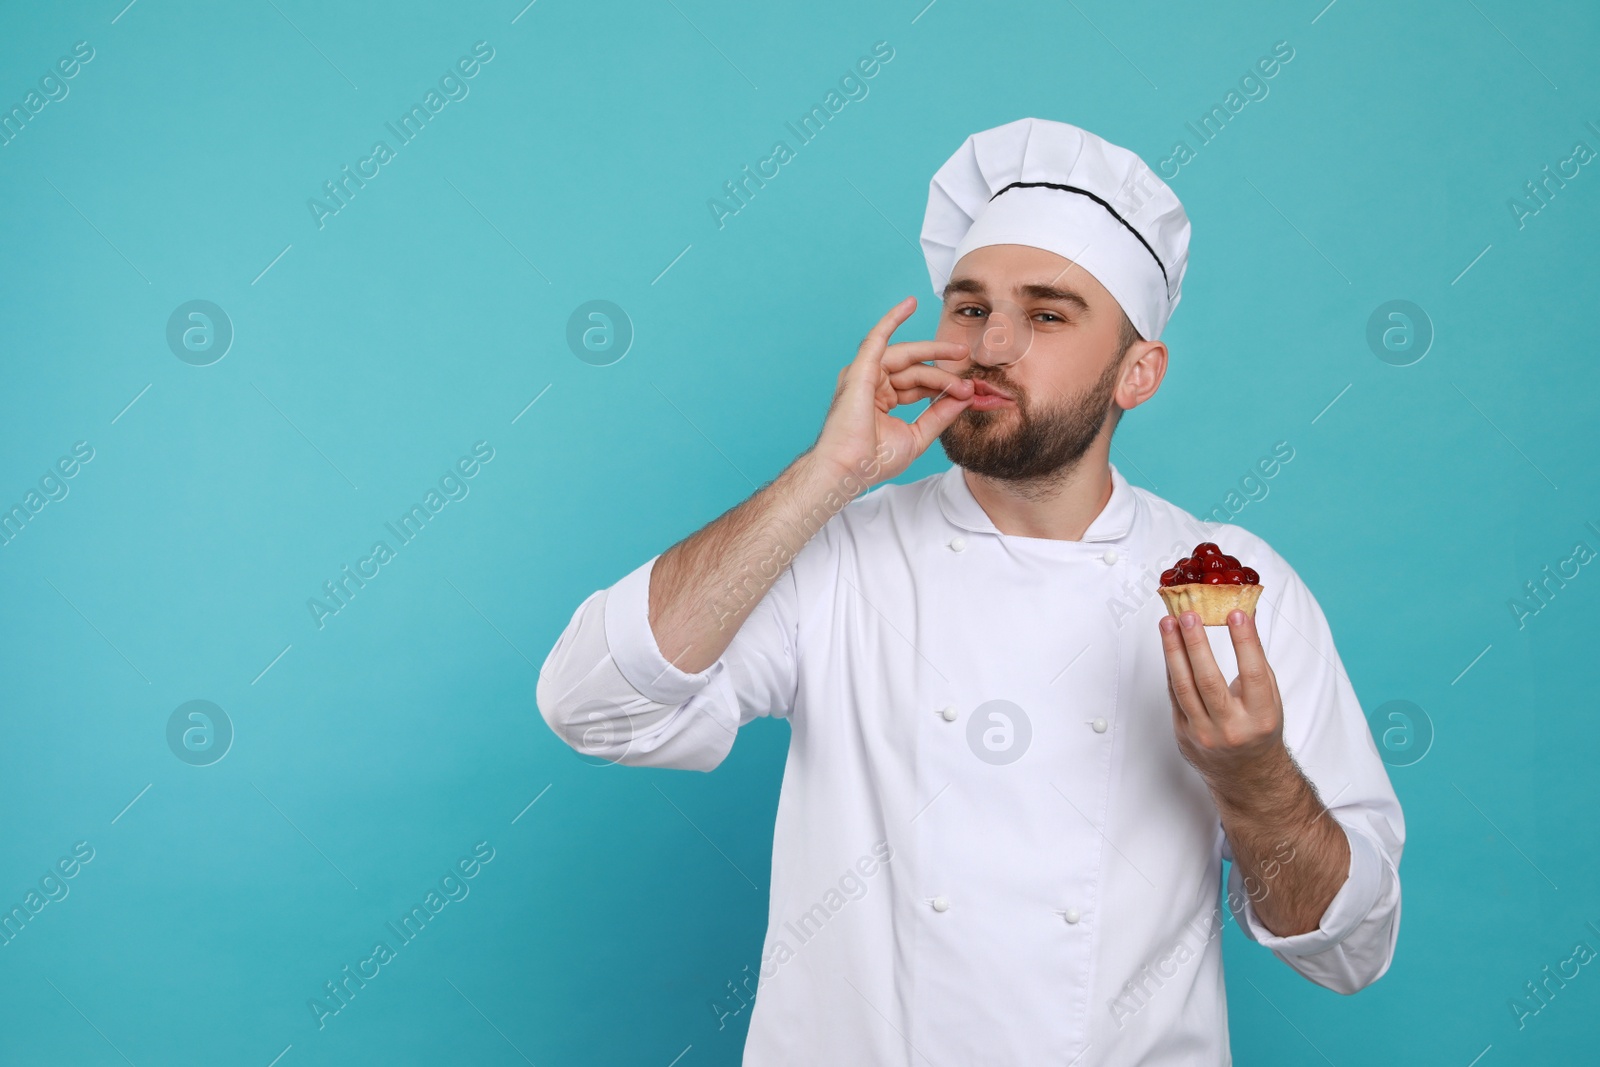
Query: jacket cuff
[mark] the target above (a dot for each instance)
(1349, 906)
(633, 644)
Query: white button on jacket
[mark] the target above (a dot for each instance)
(931, 861)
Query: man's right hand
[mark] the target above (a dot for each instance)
(860, 437)
(704, 587)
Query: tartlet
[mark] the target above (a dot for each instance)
(1210, 583)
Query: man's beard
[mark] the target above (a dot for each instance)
(1041, 443)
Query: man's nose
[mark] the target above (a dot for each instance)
(1004, 339)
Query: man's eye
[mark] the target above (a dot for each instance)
(962, 312)
(1052, 315)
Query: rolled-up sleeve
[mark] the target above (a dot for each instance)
(609, 692)
(1327, 733)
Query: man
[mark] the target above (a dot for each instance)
(1012, 777)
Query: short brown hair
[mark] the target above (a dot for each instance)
(1127, 336)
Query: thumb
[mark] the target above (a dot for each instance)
(937, 418)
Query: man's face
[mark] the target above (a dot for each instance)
(1046, 334)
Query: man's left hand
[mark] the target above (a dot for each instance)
(1226, 731)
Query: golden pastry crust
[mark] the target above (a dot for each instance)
(1211, 602)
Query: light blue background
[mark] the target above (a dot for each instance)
(433, 309)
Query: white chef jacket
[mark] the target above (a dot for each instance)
(989, 849)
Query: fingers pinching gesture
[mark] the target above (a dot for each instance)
(1223, 729)
(860, 430)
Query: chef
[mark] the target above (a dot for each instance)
(1012, 777)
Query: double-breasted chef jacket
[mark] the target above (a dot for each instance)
(989, 849)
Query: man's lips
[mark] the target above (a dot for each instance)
(986, 397)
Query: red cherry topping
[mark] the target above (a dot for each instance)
(1209, 565)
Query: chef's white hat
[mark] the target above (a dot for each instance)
(1054, 186)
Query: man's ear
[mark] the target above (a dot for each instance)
(1144, 365)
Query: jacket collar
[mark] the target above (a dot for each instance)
(962, 508)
